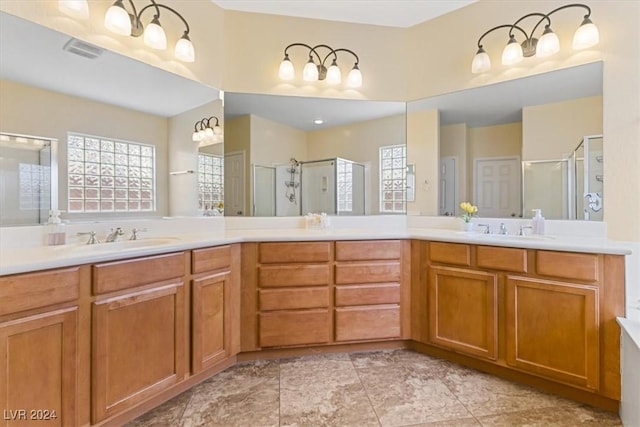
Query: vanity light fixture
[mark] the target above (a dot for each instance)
(313, 71)
(585, 36)
(120, 21)
(75, 8)
(205, 134)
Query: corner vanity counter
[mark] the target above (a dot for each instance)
(115, 329)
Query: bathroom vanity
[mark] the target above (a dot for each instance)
(114, 334)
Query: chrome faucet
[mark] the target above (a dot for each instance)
(113, 236)
(92, 237)
(487, 229)
(503, 229)
(134, 233)
(524, 227)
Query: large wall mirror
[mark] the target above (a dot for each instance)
(529, 143)
(289, 156)
(115, 119)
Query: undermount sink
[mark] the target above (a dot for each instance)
(124, 245)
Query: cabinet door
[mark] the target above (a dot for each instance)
(552, 329)
(38, 362)
(463, 311)
(138, 347)
(210, 333)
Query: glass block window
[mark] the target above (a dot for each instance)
(393, 178)
(345, 186)
(107, 175)
(210, 181)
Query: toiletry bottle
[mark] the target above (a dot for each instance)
(55, 231)
(537, 222)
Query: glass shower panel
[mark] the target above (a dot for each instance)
(541, 190)
(593, 181)
(318, 183)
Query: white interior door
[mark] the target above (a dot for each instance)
(497, 187)
(448, 186)
(234, 185)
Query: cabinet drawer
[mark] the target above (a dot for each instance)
(114, 276)
(506, 259)
(280, 328)
(368, 250)
(567, 265)
(286, 299)
(367, 323)
(26, 291)
(297, 275)
(368, 294)
(450, 253)
(295, 252)
(377, 272)
(210, 259)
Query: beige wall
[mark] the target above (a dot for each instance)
(359, 142)
(553, 131)
(437, 68)
(274, 143)
(423, 146)
(453, 143)
(33, 111)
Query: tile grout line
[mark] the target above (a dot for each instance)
(364, 388)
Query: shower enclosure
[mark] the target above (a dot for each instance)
(28, 179)
(570, 188)
(335, 186)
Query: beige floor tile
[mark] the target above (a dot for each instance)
(167, 414)
(374, 359)
(403, 395)
(553, 417)
(245, 395)
(323, 391)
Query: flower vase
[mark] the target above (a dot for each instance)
(467, 226)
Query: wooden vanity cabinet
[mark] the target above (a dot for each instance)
(550, 314)
(293, 293)
(215, 306)
(367, 290)
(39, 354)
(138, 339)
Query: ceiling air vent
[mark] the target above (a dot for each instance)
(83, 49)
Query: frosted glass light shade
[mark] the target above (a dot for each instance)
(184, 50)
(481, 62)
(117, 19)
(217, 130)
(195, 137)
(334, 77)
(548, 44)
(310, 72)
(286, 71)
(75, 8)
(586, 35)
(354, 79)
(512, 53)
(154, 35)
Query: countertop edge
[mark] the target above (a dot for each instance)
(53, 257)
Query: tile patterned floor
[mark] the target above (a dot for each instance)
(382, 388)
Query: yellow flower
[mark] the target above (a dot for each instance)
(469, 211)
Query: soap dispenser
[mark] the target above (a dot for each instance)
(537, 222)
(55, 232)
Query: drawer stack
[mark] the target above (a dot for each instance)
(293, 293)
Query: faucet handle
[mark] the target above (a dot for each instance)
(134, 233)
(92, 237)
(487, 230)
(524, 227)
(503, 229)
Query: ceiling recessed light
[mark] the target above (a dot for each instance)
(318, 121)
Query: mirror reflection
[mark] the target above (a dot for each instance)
(514, 146)
(115, 118)
(289, 156)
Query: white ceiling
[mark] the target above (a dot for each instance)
(391, 13)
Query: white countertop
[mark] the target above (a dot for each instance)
(20, 260)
